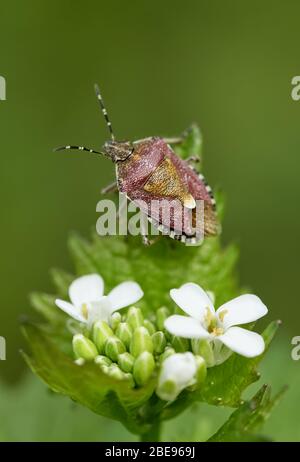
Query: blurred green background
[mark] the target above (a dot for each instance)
(161, 65)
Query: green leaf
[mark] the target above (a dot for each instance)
(56, 320)
(45, 306)
(165, 265)
(158, 268)
(32, 412)
(86, 384)
(62, 281)
(243, 424)
(66, 421)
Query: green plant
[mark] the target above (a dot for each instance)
(128, 390)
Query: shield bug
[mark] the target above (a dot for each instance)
(152, 176)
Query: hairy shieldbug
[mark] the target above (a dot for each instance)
(149, 172)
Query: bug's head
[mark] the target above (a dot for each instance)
(117, 151)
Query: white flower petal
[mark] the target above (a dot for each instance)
(244, 342)
(179, 369)
(192, 299)
(70, 309)
(86, 289)
(99, 311)
(186, 327)
(241, 310)
(125, 294)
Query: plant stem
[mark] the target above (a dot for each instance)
(153, 434)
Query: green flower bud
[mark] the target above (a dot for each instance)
(168, 390)
(201, 347)
(143, 368)
(159, 342)
(180, 344)
(201, 369)
(124, 333)
(129, 378)
(223, 354)
(125, 361)
(79, 361)
(168, 352)
(115, 372)
(105, 369)
(114, 347)
(200, 374)
(84, 348)
(161, 315)
(149, 326)
(115, 320)
(101, 332)
(141, 341)
(102, 360)
(135, 317)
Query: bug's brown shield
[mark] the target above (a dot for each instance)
(154, 175)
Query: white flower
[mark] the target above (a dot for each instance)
(178, 371)
(217, 327)
(88, 304)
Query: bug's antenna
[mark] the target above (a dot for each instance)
(104, 112)
(78, 148)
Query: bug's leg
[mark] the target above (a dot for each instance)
(175, 140)
(192, 159)
(191, 145)
(179, 139)
(142, 140)
(113, 187)
(76, 148)
(182, 138)
(172, 140)
(146, 241)
(144, 230)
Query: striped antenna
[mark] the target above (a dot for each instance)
(104, 112)
(76, 148)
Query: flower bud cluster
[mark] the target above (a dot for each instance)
(129, 347)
